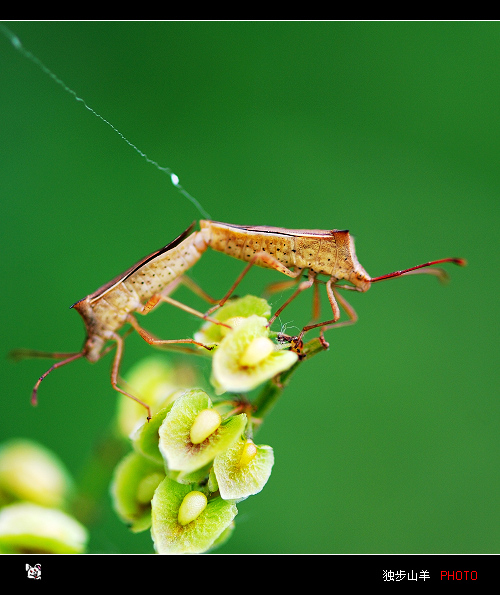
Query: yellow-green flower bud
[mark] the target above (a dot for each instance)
(233, 323)
(192, 506)
(243, 469)
(27, 527)
(147, 487)
(204, 425)
(28, 471)
(247, 357)
(176, 531)
(257, 351)
(248, 453)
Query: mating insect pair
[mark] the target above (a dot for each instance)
(150, 281)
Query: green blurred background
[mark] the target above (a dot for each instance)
(388, 442)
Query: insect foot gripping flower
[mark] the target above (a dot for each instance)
(185, 521)
(28, 527)
(193, 433)
(246, 357)
(243, 469)
(156, 381)
(145, 438)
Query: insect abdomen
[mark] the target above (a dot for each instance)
(243, 245)
(155, 275)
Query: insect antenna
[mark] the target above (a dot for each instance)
(439, 272)
(19, 354)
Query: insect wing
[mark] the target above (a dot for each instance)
(119, 278)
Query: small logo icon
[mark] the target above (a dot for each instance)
(34, 571)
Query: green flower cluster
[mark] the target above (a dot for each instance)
(195, 460)
(35, 489)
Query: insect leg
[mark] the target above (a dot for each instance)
(152, 340)
(302, 287)
(115, 370)
(316, 302)
(280, 286)
(172, 286)
(348, 309)
(335, 299)
(196, 289)
(334, 305)
(69, 359)
(284, 285)
(20, 354)
(264, 257)
(159, 297)
(111, 346)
